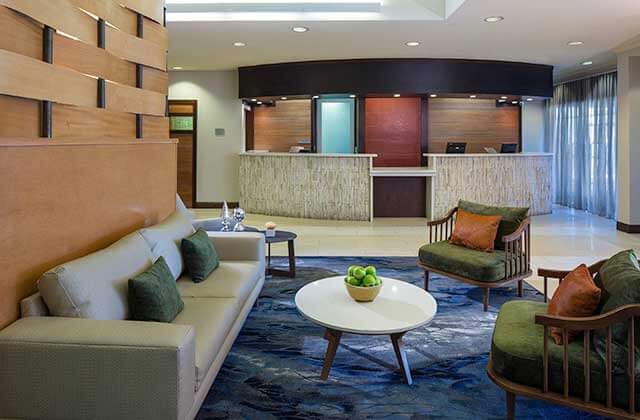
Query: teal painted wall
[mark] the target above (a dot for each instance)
(337, 124)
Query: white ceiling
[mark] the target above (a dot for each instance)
(535, 31)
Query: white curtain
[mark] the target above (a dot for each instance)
(581, 129)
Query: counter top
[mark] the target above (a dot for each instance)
(486, 154)
(419, 171)
(320, 155)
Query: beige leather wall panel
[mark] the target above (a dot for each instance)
(77, 121)
(59, 14)
(136, 50)
(62, 201)
(20, 34)
(19, 117)
(92, 60)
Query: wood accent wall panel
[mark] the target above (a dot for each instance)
(155, 127)
(59, 14)
(24, 76)
(136, 50)
(478, 122)
(20, 34)
(63, 201)
(112, 12)
(76, 122)
(19, 117)
(392, 130)
(92, 60)
(153, 9)
(129, 99)
(156, 33)
(185, 166)
(155, 80)
(399, 196)
(280, 127)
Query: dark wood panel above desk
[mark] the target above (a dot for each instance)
(399, 196)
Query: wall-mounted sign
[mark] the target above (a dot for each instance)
(181, 123)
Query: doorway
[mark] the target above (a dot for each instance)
(183, 119)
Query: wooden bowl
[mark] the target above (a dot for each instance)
(363, 294)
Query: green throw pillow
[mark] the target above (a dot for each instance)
(199, 255)
(153, 295)
(619, 280)
(511, 217)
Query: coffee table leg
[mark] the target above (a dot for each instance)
(333, 337)
(405, 371)
(268, 259)
(292, 259)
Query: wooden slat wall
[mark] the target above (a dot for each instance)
(106, 165)
(477, 122)
(279, 128)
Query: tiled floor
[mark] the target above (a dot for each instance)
(560, 240)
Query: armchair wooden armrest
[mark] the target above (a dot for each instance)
(518, 232)
(441, 230)
(445, 219)
(517, 248)
(620, 314)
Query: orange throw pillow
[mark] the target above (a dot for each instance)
(577, 296)
(475, 231)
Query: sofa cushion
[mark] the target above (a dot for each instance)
(517, 349)
(212, 319)
(511, 217)
(95, 286)
(173, 228)
(172, 257)
(619, 279)
(231, 279)
(469, 263)
(200, 257)
(153, 295)
(475, 231)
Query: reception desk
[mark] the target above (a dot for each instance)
(307, 185)
(521, 180)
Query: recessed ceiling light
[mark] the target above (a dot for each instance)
(412, 43)
(529, 99)
(259, 102)
(514, 102)
(493, 19)
(503, 97)
(284, 98)
(352, 96)
(433, 95)
(473, 96)
(502, 100)
(396, 95)
(315, 97)
(300, 29)
(239, 44)
(587, 63)
(574, 43)
(253, 99)
(177, 68)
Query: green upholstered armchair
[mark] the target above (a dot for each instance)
(525, 361)
(509, 262)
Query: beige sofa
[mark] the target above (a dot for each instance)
(93, 363)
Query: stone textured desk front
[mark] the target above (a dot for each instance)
(315, 186)
(522, 180)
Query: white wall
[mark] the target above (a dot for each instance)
(533, 126)
(218, 107)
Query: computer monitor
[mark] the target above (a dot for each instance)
(508, 148)
(456, 147)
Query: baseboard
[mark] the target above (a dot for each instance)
(623, 227)
(214, 204)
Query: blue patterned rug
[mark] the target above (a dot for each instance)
(273, 368)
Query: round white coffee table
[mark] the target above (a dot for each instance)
(400, 307)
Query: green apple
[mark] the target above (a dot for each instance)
(369, 281)
(378, 281)
(353, 281)
(351, 270)
(371, 270)
(359, 273)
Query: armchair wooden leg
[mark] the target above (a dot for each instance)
(426, 281)
(485, 300)
(520, 288)
(511, 405)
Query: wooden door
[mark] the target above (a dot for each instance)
(183, 116)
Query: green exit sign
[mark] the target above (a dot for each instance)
(181, 123)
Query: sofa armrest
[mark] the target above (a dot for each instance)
(238, 245)
(63, 368)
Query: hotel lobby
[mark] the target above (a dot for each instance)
(325, 209)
